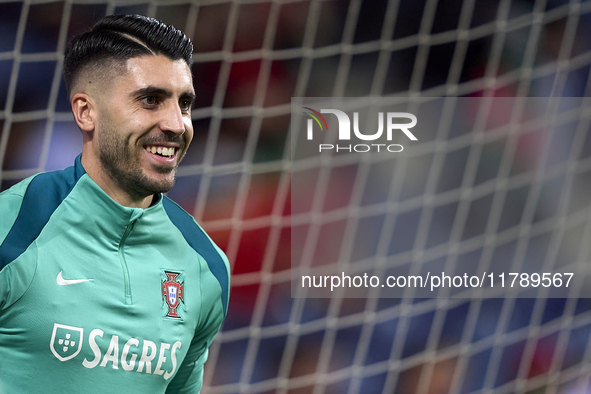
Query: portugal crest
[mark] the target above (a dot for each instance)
(172, 293)
(66, 341)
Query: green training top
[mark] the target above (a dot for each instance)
(96, 297)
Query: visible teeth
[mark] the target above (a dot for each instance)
(161, 150)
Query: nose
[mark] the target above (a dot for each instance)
(172, 120)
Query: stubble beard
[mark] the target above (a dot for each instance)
(123, 165)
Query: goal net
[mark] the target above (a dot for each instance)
(496, 183)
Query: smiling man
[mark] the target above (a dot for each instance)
(106, 285)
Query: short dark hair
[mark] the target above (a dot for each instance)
(122, 37)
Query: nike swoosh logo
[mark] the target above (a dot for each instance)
(66, 282)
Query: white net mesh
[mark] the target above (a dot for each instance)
(514, 196)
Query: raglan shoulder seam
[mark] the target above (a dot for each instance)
(32, 277)
(42, 195)
(198, 239)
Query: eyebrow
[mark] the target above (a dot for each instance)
(153, 90)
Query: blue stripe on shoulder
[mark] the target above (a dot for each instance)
(200, 242)
(44, 194)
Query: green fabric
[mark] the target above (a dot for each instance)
(113, 333)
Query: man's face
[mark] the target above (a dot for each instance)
(144, 124)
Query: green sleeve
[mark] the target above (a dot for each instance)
(189, 377)
(10, 204)
(16, 278)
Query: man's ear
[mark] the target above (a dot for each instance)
(84, 112)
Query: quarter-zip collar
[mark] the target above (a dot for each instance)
(98, 201)
(111, 224)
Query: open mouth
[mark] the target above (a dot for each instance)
(163, 151)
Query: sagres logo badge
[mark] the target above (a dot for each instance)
(66, 341)
(172, 293)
